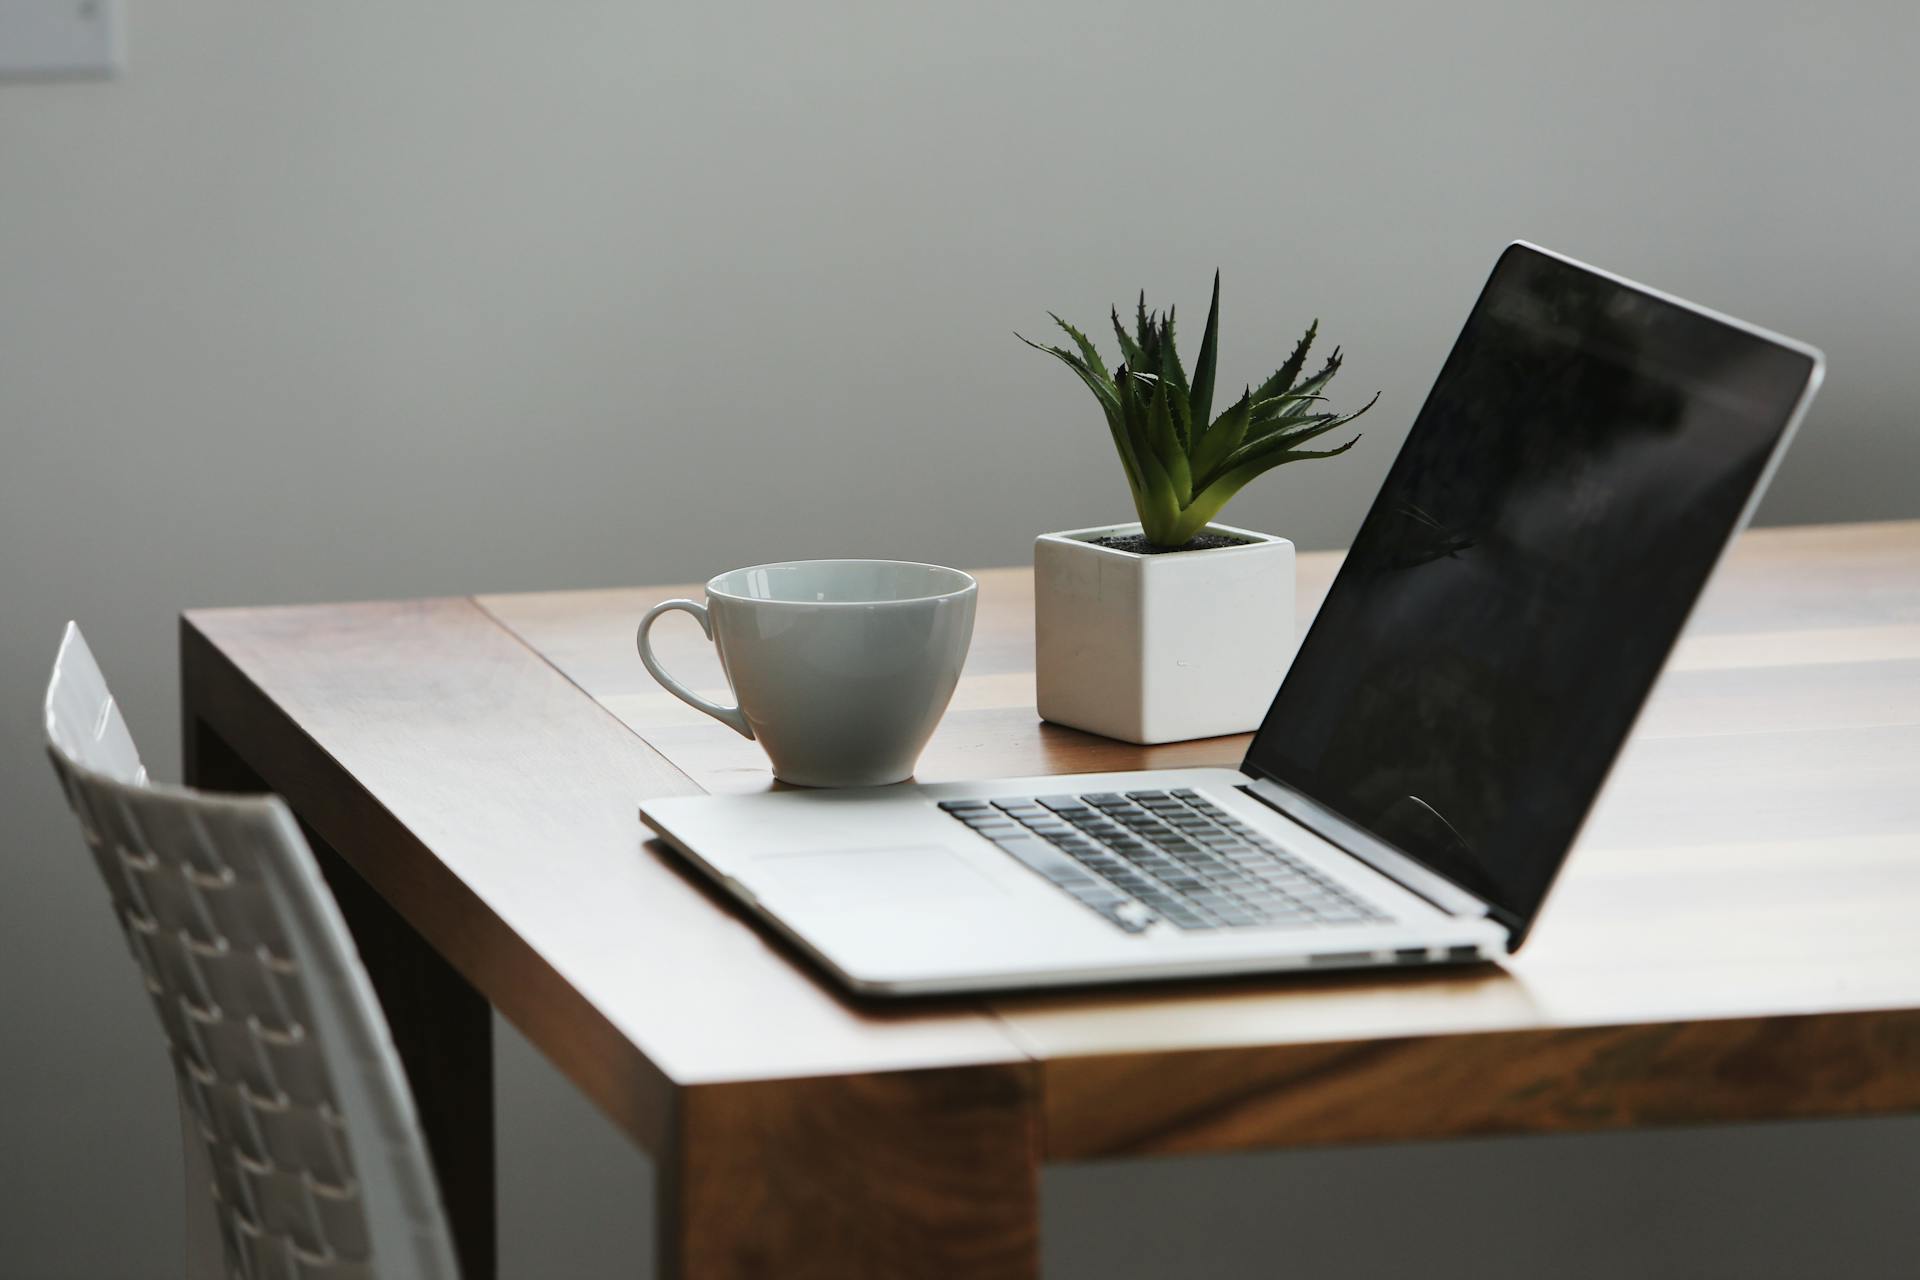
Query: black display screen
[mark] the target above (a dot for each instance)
(1514, 591)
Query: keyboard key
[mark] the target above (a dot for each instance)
(1130, 916)
(1045, 859)
(962, 806)
(1095, 894)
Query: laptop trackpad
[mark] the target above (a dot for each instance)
(867, 877)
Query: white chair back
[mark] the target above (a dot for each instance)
(282, 1054)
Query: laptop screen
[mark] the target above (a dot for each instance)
(1510, 598)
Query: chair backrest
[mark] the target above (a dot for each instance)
(281, 1051)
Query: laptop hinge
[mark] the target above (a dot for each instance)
(1382, 857)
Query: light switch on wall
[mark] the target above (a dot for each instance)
(59, 38)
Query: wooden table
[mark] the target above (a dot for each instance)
(1734, 939)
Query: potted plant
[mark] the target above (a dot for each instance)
(1176, 626)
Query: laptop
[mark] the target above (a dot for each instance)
(1588, 451)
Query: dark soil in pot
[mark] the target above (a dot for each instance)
(1140, 546)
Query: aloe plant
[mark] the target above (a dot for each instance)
(1182, 463)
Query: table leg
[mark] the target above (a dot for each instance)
(909, 1174)
(441, 1026)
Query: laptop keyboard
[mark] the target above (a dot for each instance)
(1163, 855)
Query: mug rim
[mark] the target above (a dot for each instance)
(968, 584)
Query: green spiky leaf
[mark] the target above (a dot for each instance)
(1130, 352)
(1224, 436)
(1312, 386)
(1200, 398)
(1274, 450)
(1182, 424)
(1107, 393)
(1102, 387)
(1088, 352)
(1283, 440)
(1167, 445)
(1132, 421)
(1293, 404)
(1282, 381)
(1173, 375)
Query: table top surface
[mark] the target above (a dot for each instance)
(1756, 853)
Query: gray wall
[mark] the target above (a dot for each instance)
(349, 300)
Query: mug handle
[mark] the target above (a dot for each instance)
(733, 717)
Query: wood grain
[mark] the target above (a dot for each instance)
(929, 1174)
(1580, 1079)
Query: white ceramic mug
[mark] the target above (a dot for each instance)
(839, 668)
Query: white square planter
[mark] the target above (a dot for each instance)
(1161, 648)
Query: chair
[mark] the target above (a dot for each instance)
(310, 1154)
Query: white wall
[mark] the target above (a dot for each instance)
(351, 299)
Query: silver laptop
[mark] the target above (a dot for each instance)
(1588, 451)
